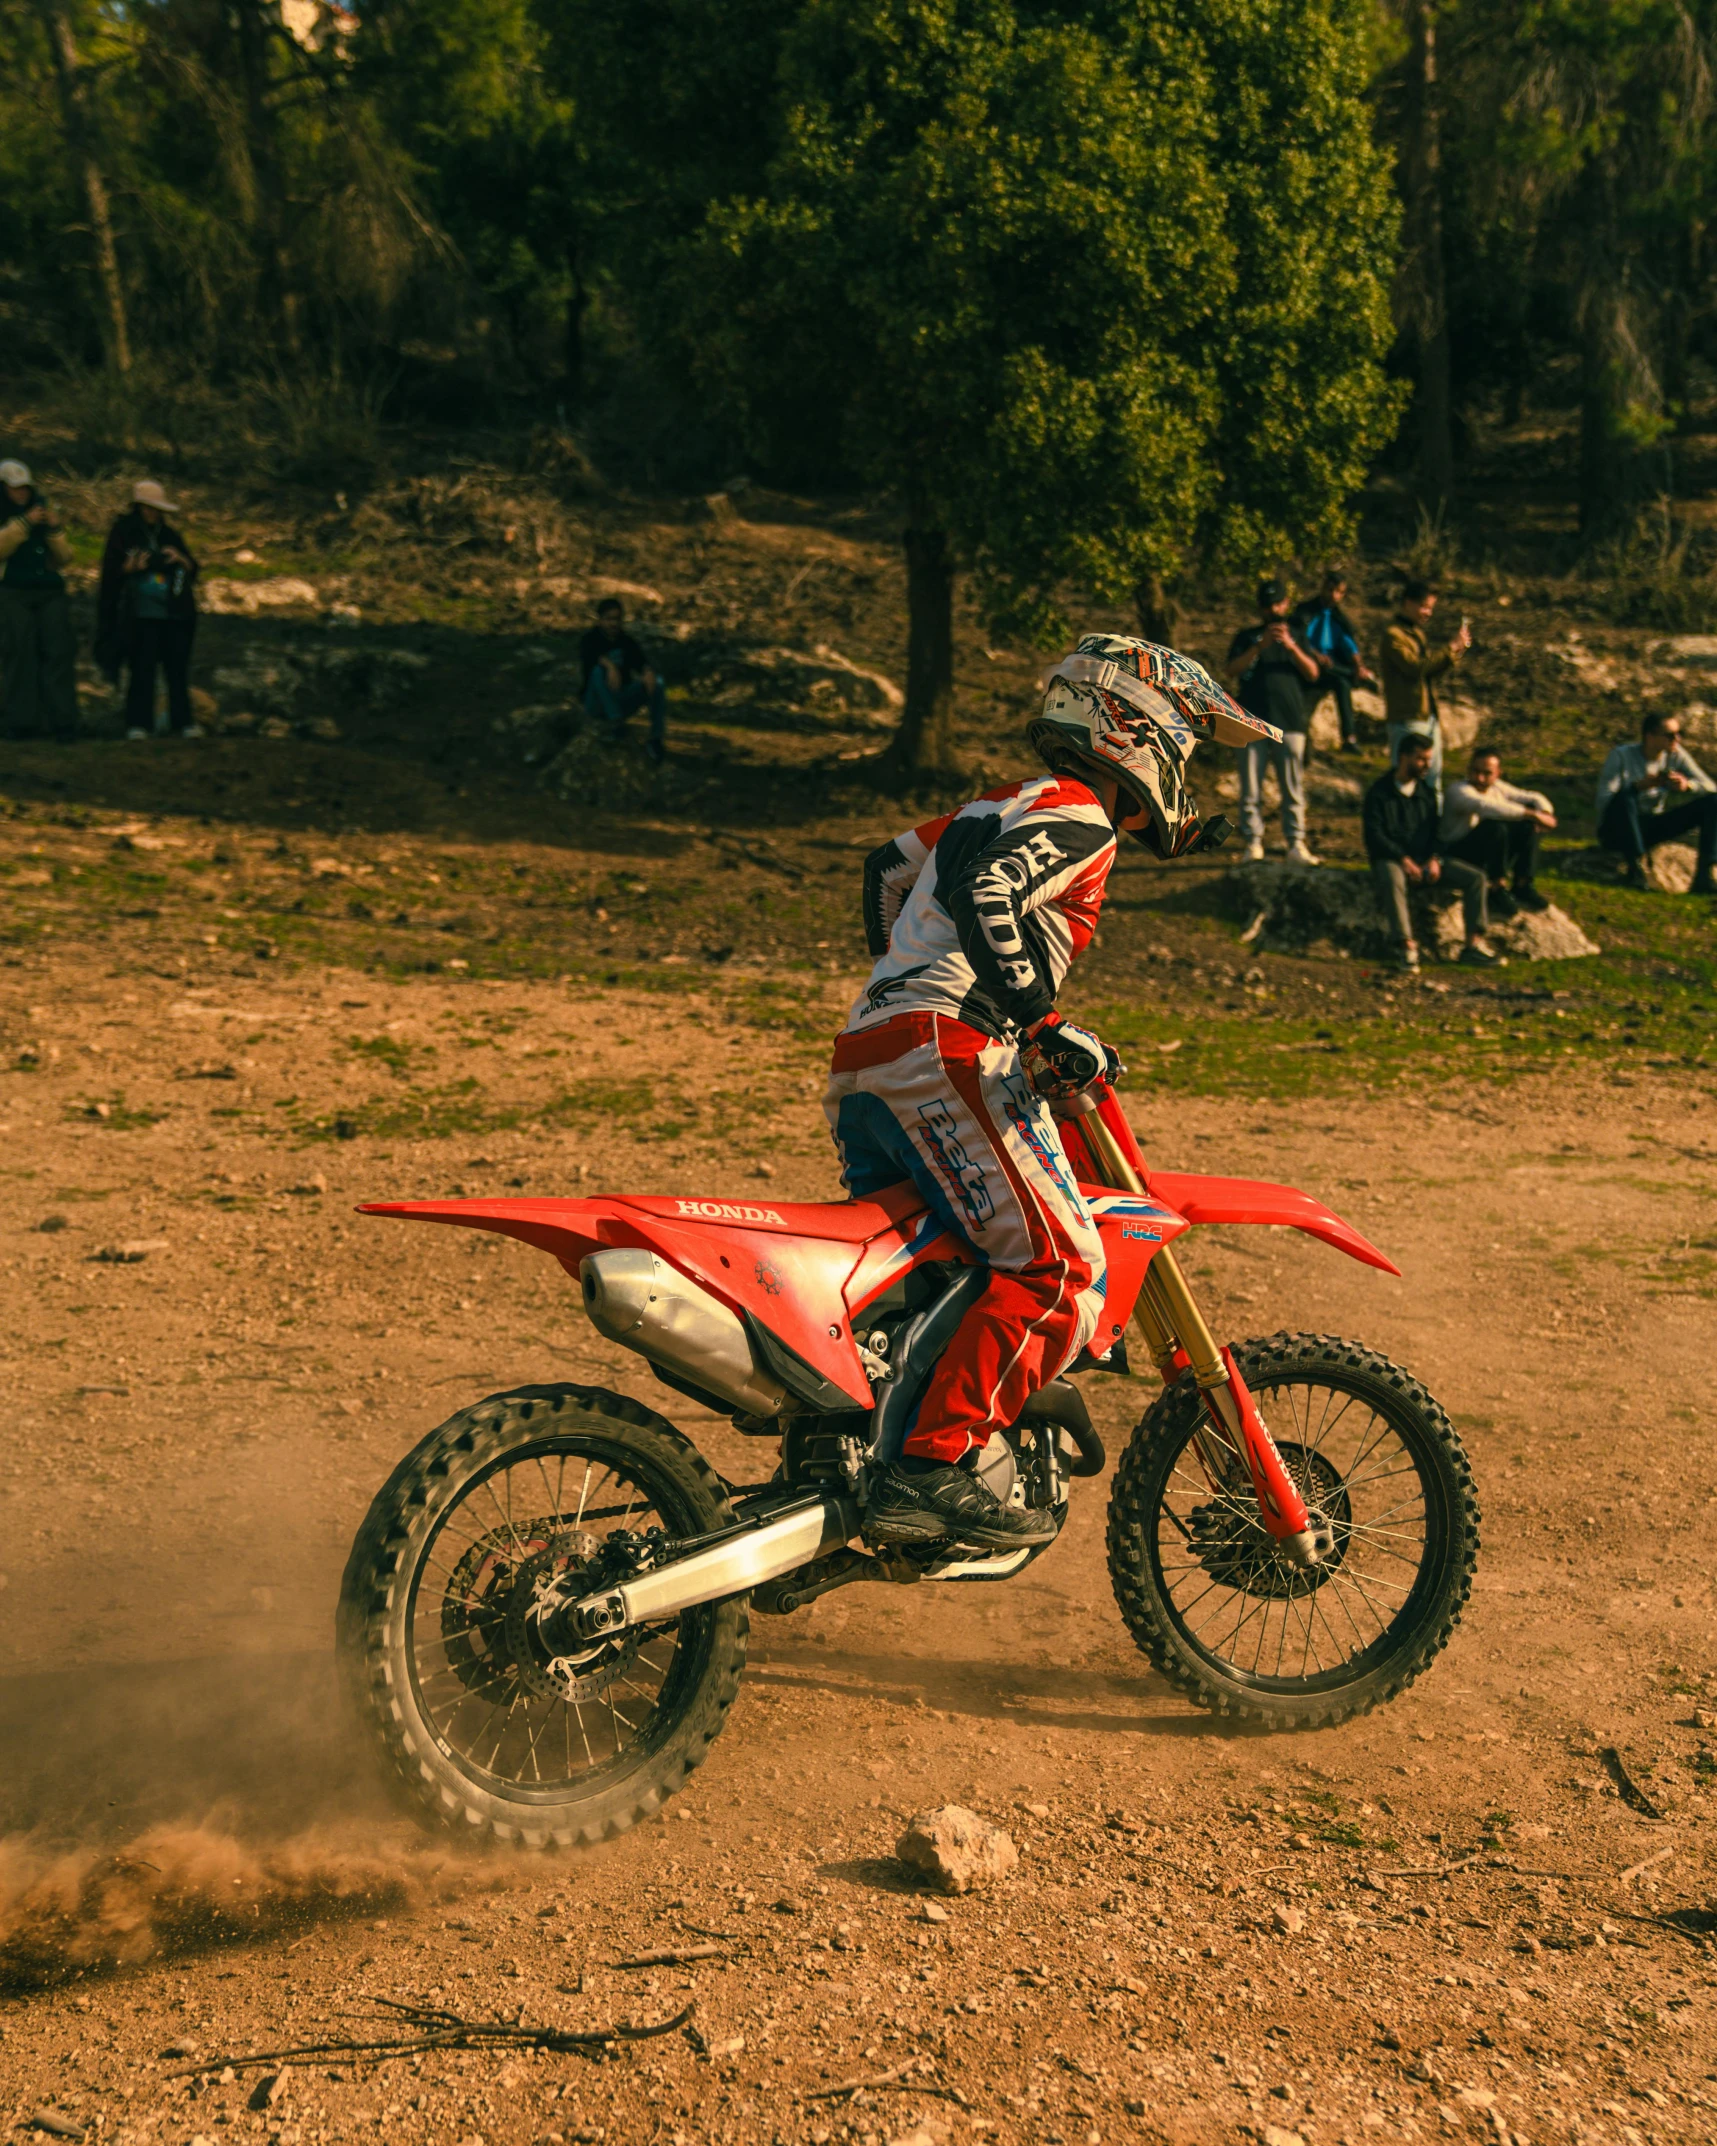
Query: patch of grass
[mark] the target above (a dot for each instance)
(390, 1051)
(113, 1112)
(1344, 1834)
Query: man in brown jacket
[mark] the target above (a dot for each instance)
(1410, 670)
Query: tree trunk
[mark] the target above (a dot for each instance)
(1422, 189)
(923, 744)
(279, 299)
(577, 304)
(79, 128)
(1158, 613)
(1624, 460)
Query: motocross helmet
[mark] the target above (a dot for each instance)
(1133, 711)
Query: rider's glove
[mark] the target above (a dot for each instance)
(1063, 1061)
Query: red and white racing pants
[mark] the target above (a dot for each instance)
(924, 1096)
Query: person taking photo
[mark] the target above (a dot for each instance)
(147, 611)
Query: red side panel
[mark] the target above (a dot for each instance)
(1246, 1199)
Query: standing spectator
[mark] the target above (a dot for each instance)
(1651, 793)
(1271, 672)
(619, 679)
(1322, 626)
(38, 664)
(1410, 671)
(147, 610)
(1401, 840)
(1493, 824)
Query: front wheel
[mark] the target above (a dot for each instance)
(480, 1727)
(1226, 1616)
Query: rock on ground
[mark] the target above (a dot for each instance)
(956, 1849)
(1300, 909)
(1669, 867)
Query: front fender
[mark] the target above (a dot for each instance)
(1250, 1199)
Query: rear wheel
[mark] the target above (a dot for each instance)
(479, 1726)
(1224, 1613)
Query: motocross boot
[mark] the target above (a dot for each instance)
(918, 1503)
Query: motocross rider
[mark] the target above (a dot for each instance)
(941, 1072)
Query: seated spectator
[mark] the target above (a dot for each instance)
(1411, 668)
(1323, 627)
(1491, 823)
(146, 612)
(1401, 840)
(1270, 671)
(1654, 792)
(619, 679)
(38, 656)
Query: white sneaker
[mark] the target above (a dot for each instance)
(134, 735)
(1299, 854)
(1254, 853)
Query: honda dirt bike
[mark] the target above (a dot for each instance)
(544, 1613)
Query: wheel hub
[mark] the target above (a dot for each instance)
(1231, 1542)
(563, 1569)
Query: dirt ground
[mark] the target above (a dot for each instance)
(1417, 1926)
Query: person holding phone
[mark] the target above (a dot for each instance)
(1655, 792)
(147, 610)
(38, 653)
(1411, 668)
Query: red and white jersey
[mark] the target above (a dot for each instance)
(980, 914)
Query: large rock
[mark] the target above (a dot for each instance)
(1669, 867)
(956, 1849)
(1462, 720)
(1329, 909)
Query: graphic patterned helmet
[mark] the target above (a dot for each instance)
(1134, 711)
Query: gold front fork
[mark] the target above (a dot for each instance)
(1165, 1314)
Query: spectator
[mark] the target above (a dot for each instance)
(1651, 793)
(1410, 672)
(1491, 823)
(146, 613)
(38, 664)
(1271, 671)
(619, 679)
(1325, 629)
(1401, 840)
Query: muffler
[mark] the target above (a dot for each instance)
(638, 1300)
(793, 1535)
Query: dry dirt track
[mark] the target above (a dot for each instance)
(1192, 1948)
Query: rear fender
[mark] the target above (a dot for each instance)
(790, 1284)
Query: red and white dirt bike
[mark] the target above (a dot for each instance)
(544, 1614)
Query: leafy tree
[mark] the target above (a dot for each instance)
(1082, 288)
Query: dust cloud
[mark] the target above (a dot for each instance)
(179, 1889)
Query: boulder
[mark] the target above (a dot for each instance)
(278, 592)
(956, 1850)
(1462, 720)
(1329, 909)
(1669, 867)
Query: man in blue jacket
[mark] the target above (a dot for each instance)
(1320, 624)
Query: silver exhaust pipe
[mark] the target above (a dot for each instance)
(638, 1300)
(795, 1536)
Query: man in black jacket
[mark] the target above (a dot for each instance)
(1401, 816)
(38, 657)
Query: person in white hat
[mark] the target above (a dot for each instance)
(38, 669)
(147, 611)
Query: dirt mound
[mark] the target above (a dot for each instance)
(1294, 909)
